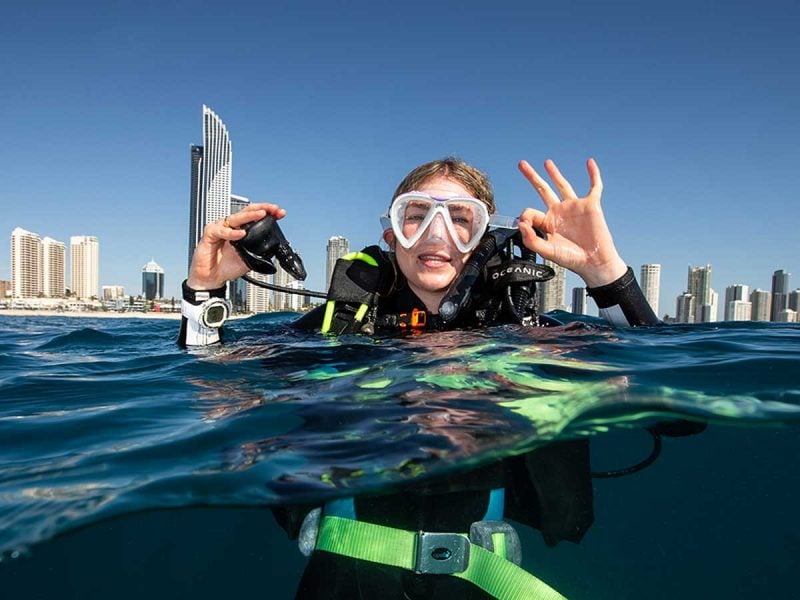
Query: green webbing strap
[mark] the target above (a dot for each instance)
(330, 307)
(397, 548)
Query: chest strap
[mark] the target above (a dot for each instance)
(439, 553)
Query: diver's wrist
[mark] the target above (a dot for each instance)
(197, 293)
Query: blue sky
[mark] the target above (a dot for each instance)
(691, 110)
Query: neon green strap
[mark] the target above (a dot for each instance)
(395, 547)
(330, 306)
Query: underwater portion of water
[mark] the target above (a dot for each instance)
(109, 418)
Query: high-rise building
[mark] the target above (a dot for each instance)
(152, 281)
(84, 266)
(337, 247)
(684, 308)
(780, 293)
(579, 301)
(651, 284)
(794, 300)
(54, 268)
(26, 263)
(259, 299)
(237, 289)
(761, 305)
(553, 291)
(740, 310)
(699, 286)
(211, 169)
(734, 293)
(113, 292)
(6, 287)
(787, 315)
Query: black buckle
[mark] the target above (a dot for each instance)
(480, 534)
(441, 553)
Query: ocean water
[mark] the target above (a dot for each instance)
(131, 468)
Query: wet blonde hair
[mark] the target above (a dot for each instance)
(477, 182)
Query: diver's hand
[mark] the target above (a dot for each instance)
(577, 235)
(215, 261)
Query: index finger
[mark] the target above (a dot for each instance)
(544, 190)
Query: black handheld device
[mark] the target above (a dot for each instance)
(263, 242)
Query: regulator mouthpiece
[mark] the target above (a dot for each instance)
(263, 242)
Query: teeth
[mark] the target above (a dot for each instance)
(431, 257)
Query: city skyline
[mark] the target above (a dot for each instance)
(692, 118)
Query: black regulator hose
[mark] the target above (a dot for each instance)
(654, 454)
(461, 291)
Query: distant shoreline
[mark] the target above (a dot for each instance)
(17, 312)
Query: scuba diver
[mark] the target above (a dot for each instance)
(453, 263)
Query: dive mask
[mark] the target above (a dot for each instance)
(465, 218)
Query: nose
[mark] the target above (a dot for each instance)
(437, 228)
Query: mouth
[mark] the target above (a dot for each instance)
(434, 259)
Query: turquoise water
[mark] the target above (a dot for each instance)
(131, 467)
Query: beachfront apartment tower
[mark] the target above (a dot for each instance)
(26, 264)
(760, 305)
(237, 289)
(152, 281)
(780, 294)
(337, 247)
(84, 263)
(210, 186)
(733, 294)
(699, 286)
(579, 301)
(651, 284)
(553, 291)
(54, 268)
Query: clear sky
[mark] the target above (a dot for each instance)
(692, 110)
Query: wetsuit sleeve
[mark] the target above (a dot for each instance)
(192, 331)
(622, 302)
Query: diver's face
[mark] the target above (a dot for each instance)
(431, 265)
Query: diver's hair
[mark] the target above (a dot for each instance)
(454, 168)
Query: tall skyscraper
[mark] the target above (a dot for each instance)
(684, 308)
(84, 266)
(259, 299)
(780, 293)
(735, 293)
(237, 289)
(651, 284)
(54, 268)
(761, 305)
(210, 189)
(152, 281)
(794, 300)
(337, 247)
(553, 291)
(579, 301)
(699, 286)
(26, 263)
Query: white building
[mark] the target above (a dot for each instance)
(553, 291)
(760, 300)
(259, 299)
(699, 286)
(787, 315)
(84, 266)
(739, 310)
(337, 247)
(26, 264)
(210, 189)
(54, 268)
(733, 293)
(113, 292)
(651, 284)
